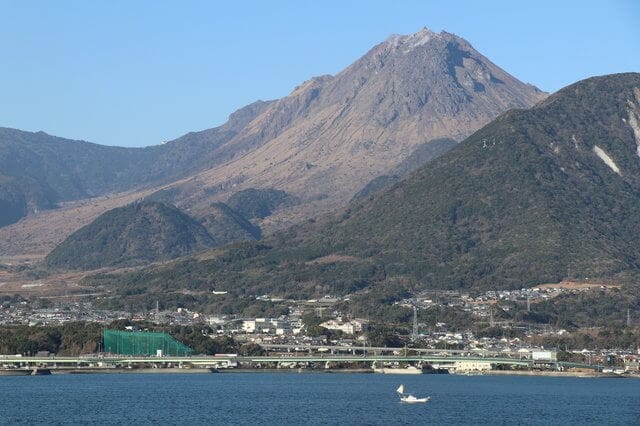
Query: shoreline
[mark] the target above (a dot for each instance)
(102, 370)
(582, 374)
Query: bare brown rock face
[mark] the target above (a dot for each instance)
(321, 144)
(333, 134)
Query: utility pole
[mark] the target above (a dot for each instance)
(528, 303)
(491, 323)
(628, 318)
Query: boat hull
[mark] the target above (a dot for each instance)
(410, 400)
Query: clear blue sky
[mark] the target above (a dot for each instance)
(136, 73)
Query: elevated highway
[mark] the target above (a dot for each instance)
(231, 360)
(335, 349)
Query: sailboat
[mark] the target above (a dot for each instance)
(409, 398)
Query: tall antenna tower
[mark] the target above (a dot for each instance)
(628, 318)
(528, 303)
(414, 333)
(491, 322)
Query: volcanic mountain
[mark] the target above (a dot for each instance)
(321, 144)
(333, 134)
(536, 196)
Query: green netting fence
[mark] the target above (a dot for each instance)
(142, 343)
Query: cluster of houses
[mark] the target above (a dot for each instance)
(22, 312)
(282, 326)
(290, 329)
(481, 304)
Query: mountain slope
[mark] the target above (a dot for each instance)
(321, 144)
(536, 196)
(137, 233)
(18, 197)
(423, 154)
(63, 170)
(259, 203)
(333, 134)
(226, 225)
(57, 170)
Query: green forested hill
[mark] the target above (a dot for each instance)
(137, 233)
(423, 154)
(226, 225)
(254, 203)
(536, 196)
(526, 199)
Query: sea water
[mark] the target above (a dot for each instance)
(333, 399)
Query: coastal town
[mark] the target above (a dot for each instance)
(43, 311)
(334, 332)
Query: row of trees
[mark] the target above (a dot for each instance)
(77, 338)
(68, 339)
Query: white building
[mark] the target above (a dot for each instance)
(462, 366)
(347, 327)
(269, 326)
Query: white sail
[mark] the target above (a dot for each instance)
(400, 389)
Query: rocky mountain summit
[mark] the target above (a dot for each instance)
(321, 144)
(333, 134)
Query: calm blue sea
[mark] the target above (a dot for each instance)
(335, 399)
